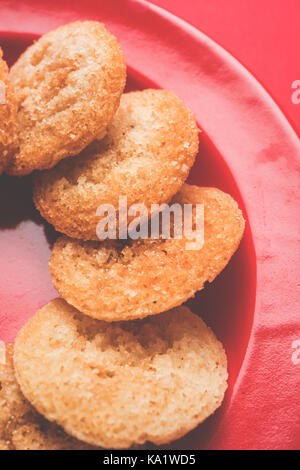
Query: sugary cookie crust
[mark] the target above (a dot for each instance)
(8, 115)
(21, 426)
(117, 384)
(68, 86)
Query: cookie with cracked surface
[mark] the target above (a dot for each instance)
(118, 384)
(146, 156)
(68, 86)
(21, 426)
(113, 280)
(8, 115)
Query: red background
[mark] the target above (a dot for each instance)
(264, 35)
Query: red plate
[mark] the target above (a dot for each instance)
(247, 149)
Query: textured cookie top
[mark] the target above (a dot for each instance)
(68, 86)
(116, 281)
(21, 427)
(8, 114)
(147, 154)
(115, 384)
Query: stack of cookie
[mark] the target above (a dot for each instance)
(117, 360)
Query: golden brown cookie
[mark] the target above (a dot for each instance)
(114, 281)
(68, 86)
(118, 384)
(21, 426)
(8, 115)
(147, 154)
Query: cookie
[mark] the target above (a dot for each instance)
(8, 115)
(118, 384)
(113, 280)
(21, 427)
(146, 156)
(68, 86)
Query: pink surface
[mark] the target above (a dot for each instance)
(264, 35)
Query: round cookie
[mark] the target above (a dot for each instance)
(150, 147)
(114, 281)
(68, 86)
(118, 384)
(21, 427)
(8, 115)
